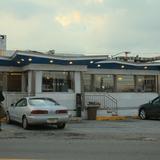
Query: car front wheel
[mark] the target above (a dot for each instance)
(25, 123)
(142, 114)
(61, 125)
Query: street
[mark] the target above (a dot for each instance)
(127, 139)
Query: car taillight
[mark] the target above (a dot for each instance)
(39, 112)
(61, 111)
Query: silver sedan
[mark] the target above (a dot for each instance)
(37, 110)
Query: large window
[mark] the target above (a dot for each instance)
(14, 82)
(118, 83)
(146, 83)
(104, 83)
(57, 82)
(98, 83)
(125, 83)
(87, 82)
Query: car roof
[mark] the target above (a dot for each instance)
(36, 97)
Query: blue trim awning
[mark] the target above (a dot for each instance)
(20, 59)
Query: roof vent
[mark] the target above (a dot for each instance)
(52, 52)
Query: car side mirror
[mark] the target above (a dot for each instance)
(13, 105)
(150, 102)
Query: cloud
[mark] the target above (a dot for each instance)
(81, 26)
(89, 21)
(93, 1)
(66, 20)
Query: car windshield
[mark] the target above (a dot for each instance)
(42, 102)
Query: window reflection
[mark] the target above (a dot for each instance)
(122, 83)
(98, 83)
(146, 83)
(57, 81)
(103, 83)
(125, 83)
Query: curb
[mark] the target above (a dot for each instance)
(75, 119)
(114, 118)
(103, 118)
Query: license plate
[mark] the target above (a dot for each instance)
(52, 120)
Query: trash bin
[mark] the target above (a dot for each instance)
(92, 111)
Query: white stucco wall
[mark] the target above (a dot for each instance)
(127, 103)
(132, 99)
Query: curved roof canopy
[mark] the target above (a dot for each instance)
(24, 58)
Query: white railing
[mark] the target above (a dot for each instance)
(106, 101)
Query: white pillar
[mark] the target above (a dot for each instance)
(29, 88)
(77, 80)
(38, 82)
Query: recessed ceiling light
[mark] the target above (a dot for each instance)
(120, 78)
(139, 80)
(30, 59)
(91, 62)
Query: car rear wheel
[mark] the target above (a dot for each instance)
(142, 114)
(8, 119)
(25, 124)
(61, 125)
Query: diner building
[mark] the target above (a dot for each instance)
(117, 84)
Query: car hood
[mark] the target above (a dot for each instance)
(144, 105)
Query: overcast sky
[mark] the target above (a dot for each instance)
(82, 26)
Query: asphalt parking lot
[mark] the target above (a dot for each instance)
(133, 129)
(131, 139)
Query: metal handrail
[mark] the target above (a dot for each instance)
(114, 106)
(111, 106)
